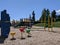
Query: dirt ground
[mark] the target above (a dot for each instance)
(39, 37)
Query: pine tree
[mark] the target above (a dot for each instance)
(43, 17)
(33, 16)
(53, 15)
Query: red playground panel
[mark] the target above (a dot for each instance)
(21, 29)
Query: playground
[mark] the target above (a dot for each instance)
(45, 34)
(39, 37)
(29, 22)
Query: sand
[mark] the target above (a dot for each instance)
(39, 37)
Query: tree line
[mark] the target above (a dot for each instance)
(45, 15)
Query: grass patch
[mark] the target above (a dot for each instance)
(56, 24)
(39, 24)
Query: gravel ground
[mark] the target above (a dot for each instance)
(39, 37)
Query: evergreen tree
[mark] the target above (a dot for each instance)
(53, 15)
(33, 16)
(43, 15)
(30, 17)
(48, 16)
(48, 19)
(58, 18)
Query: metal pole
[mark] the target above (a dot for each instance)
(52, 24)
(44, 23)
(21, 35)
(48, 23)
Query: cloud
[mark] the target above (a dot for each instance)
(58, 11)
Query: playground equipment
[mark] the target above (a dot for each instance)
(12, 34)
(28, 31)
(22, 30)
